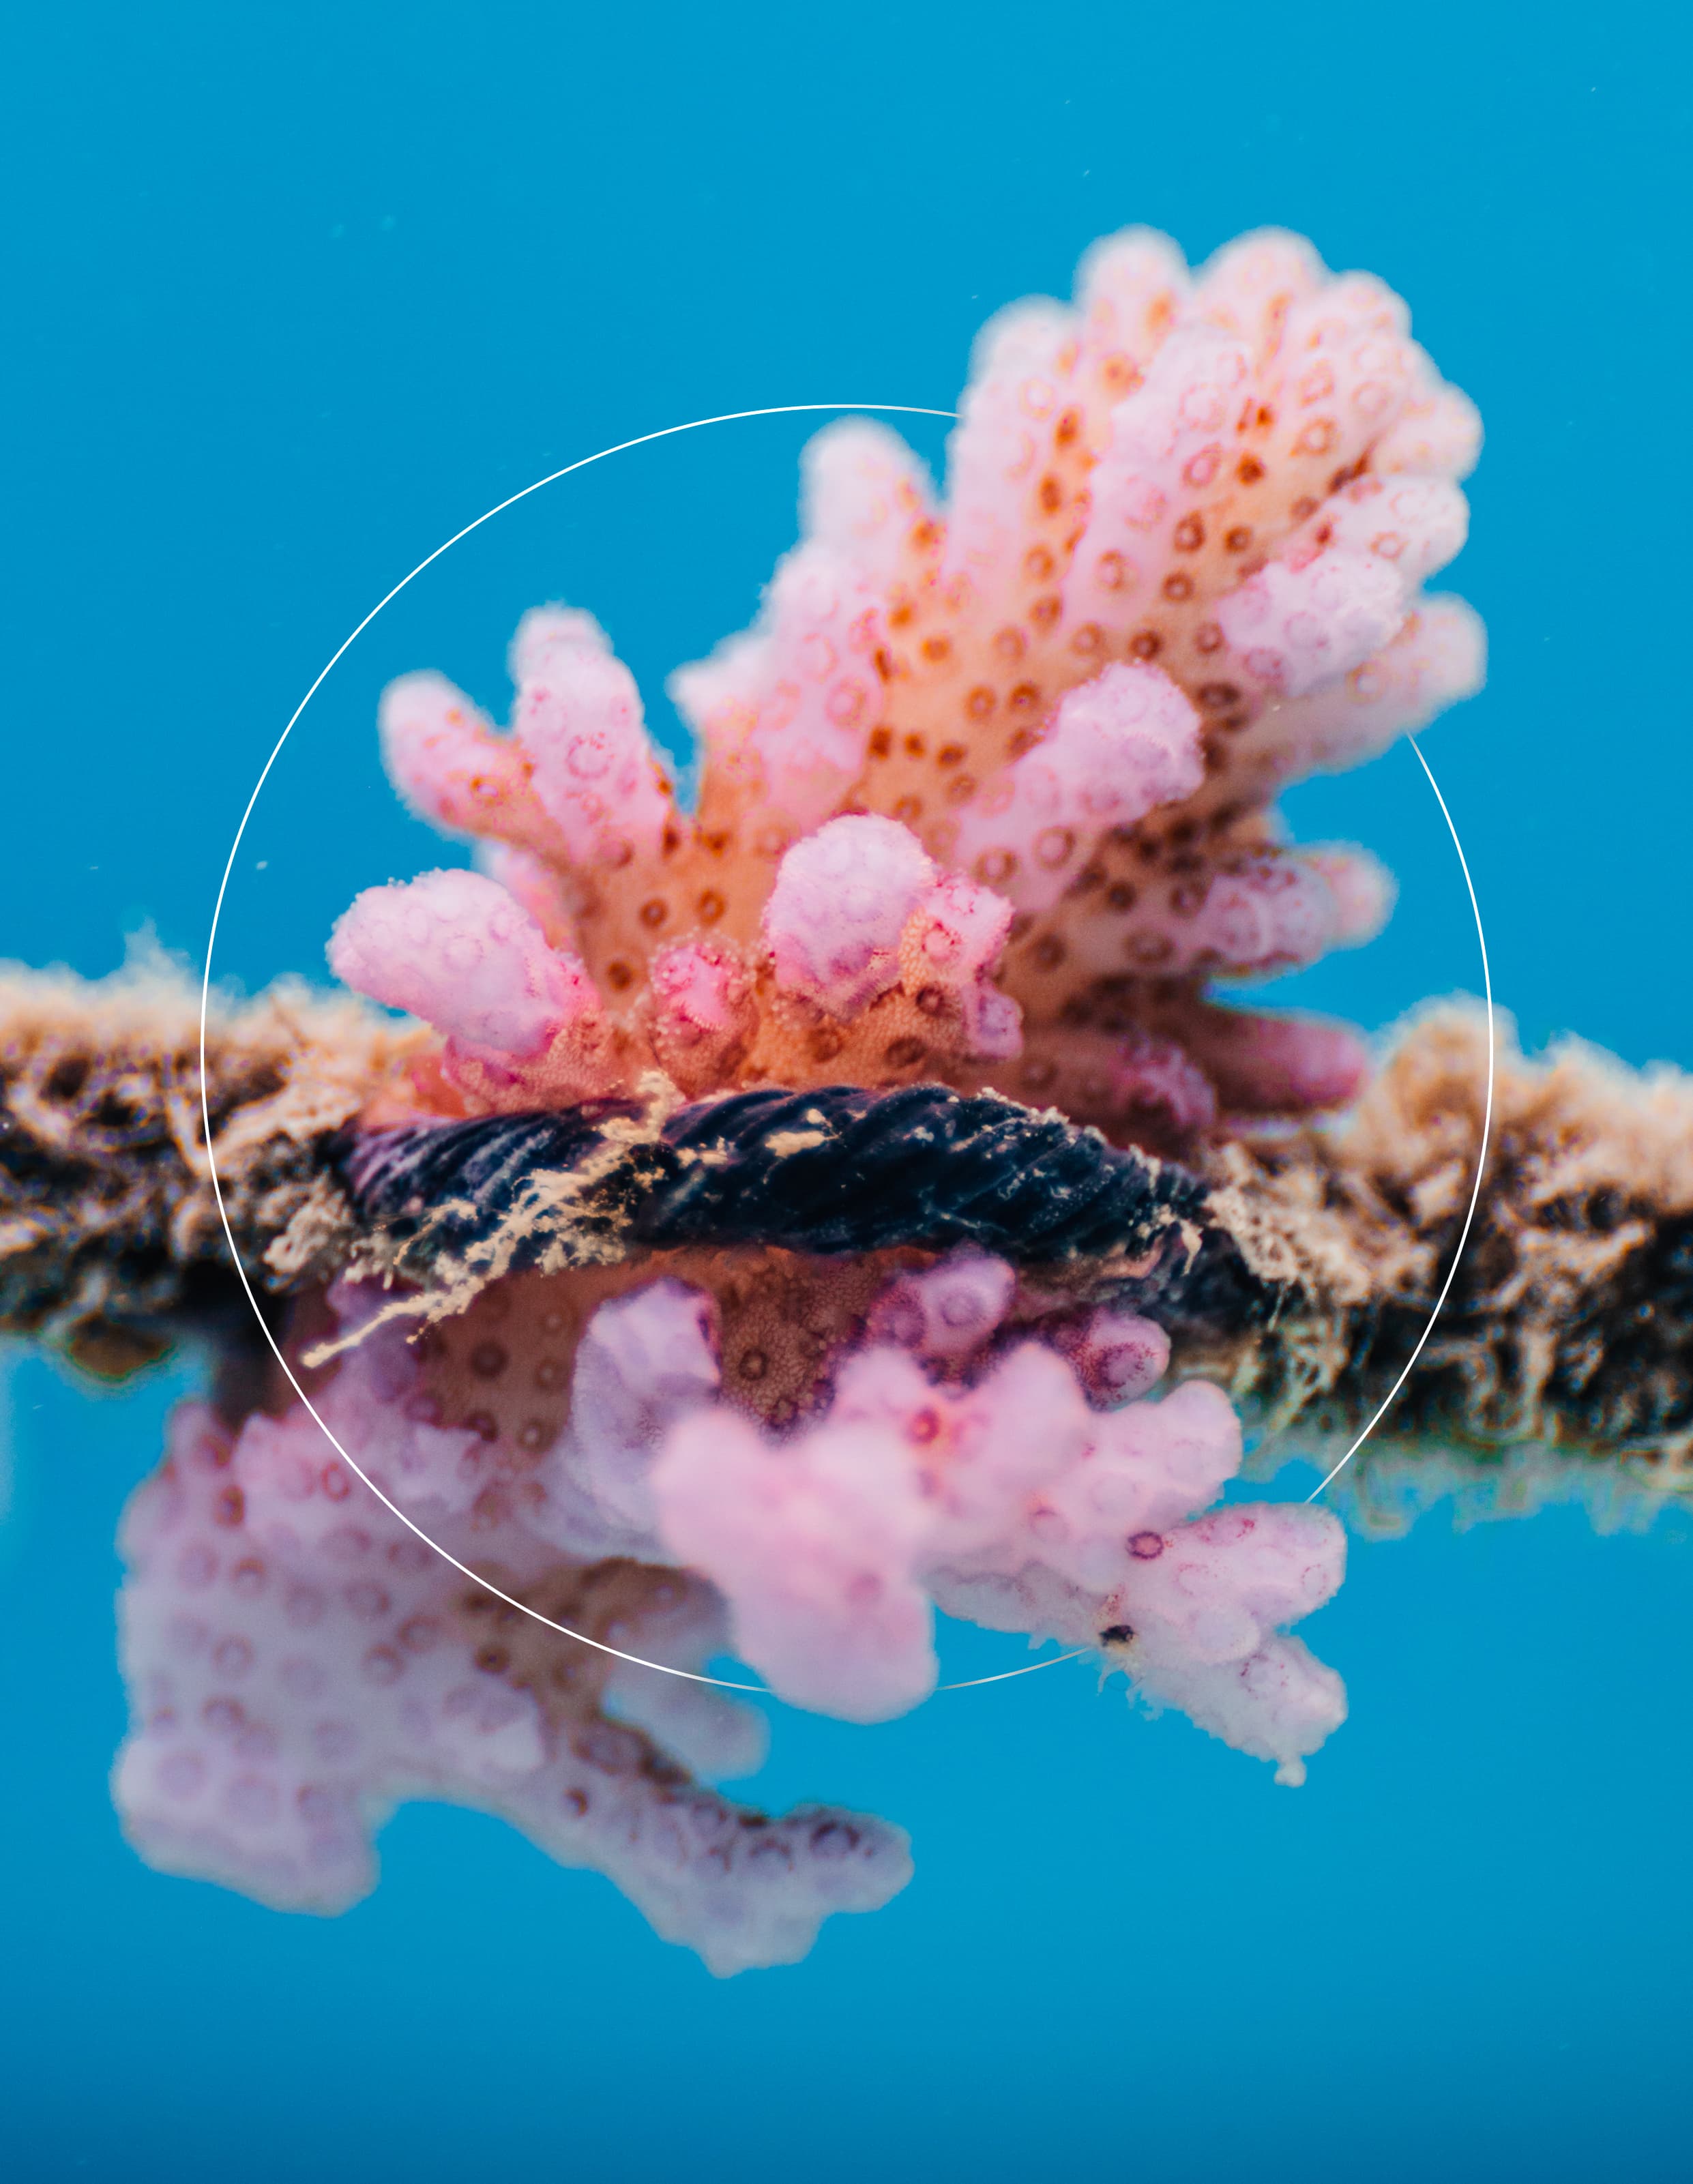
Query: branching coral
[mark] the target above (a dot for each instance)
(1005, 1497)
(984, 794)
(297, 1660)
(961, 1437)
(982, 805)
(848, 1199)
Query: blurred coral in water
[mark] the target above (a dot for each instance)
(298, 1663)
(973, 1471)
(874, 1287)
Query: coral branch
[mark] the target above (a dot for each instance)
(787, 711)
(838, 907)
(450, 767)
(1297, 625)
(455, 949)
(524, 1024)
(579, 722)
(1118, 747)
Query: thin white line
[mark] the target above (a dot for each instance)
(1480, 1158)
(1004, 1675)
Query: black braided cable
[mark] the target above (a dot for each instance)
(839, 1170)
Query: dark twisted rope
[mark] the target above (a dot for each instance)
(839, 1170)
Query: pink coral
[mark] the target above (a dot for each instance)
(579, 722)
(1008, 1487)
(297, 1663)
(704, 1014)
(985, 805)
(1118, 747)
(950, 1311)
(1115, 1356)
(786, 712)
(985, 801)
(813, 1541)
(523, 1022)
(1175, 568)
(297, 1660)
(448, 764)
(1296, 625)
(455, 949)
(644, 1361)
(837, 908)
(948, 953)
(862, 491)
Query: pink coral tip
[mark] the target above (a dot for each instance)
(1116, 1355)
(1294, 628)
(1218, 1585)
(579, 721)
(443, 755)
(1273, 1064)
(453, 948)
(812, 1541)
(840, 905)
(698, 987)
(947, 1311)
(702, 1011)
(951, 947)
(1119, 746)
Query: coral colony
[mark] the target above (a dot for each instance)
(985, 804)
(779, 1230)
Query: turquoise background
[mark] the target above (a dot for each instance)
(295, 291)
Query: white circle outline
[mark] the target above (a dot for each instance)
(1481, 1151)
(637, 1660)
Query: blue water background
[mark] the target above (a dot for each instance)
(295, 291)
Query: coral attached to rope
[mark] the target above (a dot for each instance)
(982, 807)
(848, 1199)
